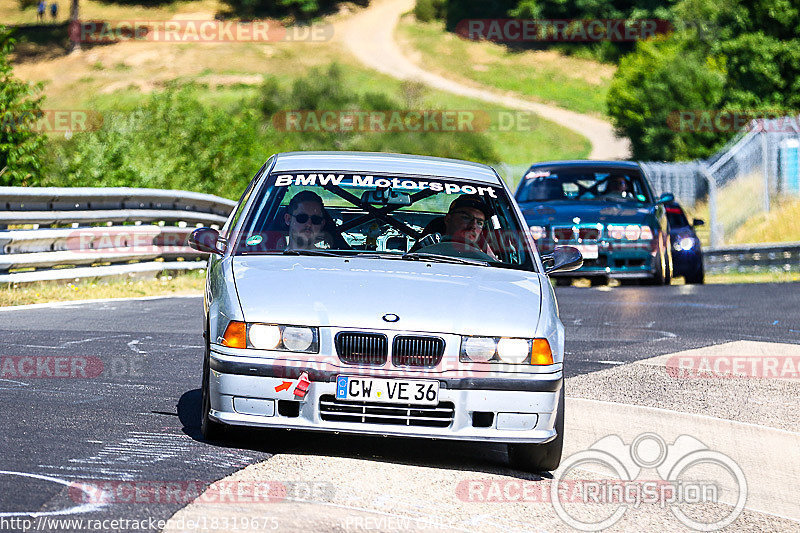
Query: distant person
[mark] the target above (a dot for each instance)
(40, 10)
(54, 11)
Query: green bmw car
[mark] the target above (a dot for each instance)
(608, 211)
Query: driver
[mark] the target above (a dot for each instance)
(466, 219)
(306, 219)
(619, 186)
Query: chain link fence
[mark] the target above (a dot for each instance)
(757, 169)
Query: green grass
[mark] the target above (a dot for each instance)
(41, 292)
(547, 76)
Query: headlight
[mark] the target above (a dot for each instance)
(513, 350)
(273, 337)
(478, 349)
(505, 350)
(538, 232)
(631, 232)
(685, 244)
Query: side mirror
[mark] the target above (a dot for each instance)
(698, 222)
(666, 198)
(563, 259)
(205, 240)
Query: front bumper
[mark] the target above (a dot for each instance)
(614, 260)
(523, 407)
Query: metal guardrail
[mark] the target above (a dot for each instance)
(767, 257)
(96, 243)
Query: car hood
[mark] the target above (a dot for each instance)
(561, 212)
(357, 293)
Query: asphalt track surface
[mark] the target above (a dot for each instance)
(137, 420)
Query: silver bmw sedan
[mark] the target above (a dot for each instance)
(384, 294)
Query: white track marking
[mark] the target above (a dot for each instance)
(77, 509)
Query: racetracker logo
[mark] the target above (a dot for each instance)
(408, 120)
(728, 121)
(52, 121)
(183, 492)
(725, 366)
(192, 31)
(561, 30)
(30, 367)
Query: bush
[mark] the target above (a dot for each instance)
(172, 142)
(21, 145)
(175, 142)
(430, 10)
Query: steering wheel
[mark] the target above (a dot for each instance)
(449, 247)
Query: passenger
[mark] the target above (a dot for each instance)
(305, 217)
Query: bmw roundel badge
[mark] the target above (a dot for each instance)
(391, 317)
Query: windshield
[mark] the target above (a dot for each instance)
(618, 185)
(395, 217)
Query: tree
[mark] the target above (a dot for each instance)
(21, 146)
(660, 79)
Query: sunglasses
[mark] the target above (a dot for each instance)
(302, 218)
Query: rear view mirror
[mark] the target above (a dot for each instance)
(385, 197)
(698, 222)
(666, 198)
(205, 240)
(563, 259)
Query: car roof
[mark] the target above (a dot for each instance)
(584, 163)
(384, 163)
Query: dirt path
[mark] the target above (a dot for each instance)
(370, 37)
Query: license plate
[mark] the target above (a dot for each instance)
(588, 251)
(405, 391)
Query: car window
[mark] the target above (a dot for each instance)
(618, 185)
(403, 217)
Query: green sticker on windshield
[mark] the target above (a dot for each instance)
(255, 239)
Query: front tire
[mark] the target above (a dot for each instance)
(697, 278)
(541, 457)
(210, 429)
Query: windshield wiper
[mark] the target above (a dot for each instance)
(444, 259)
